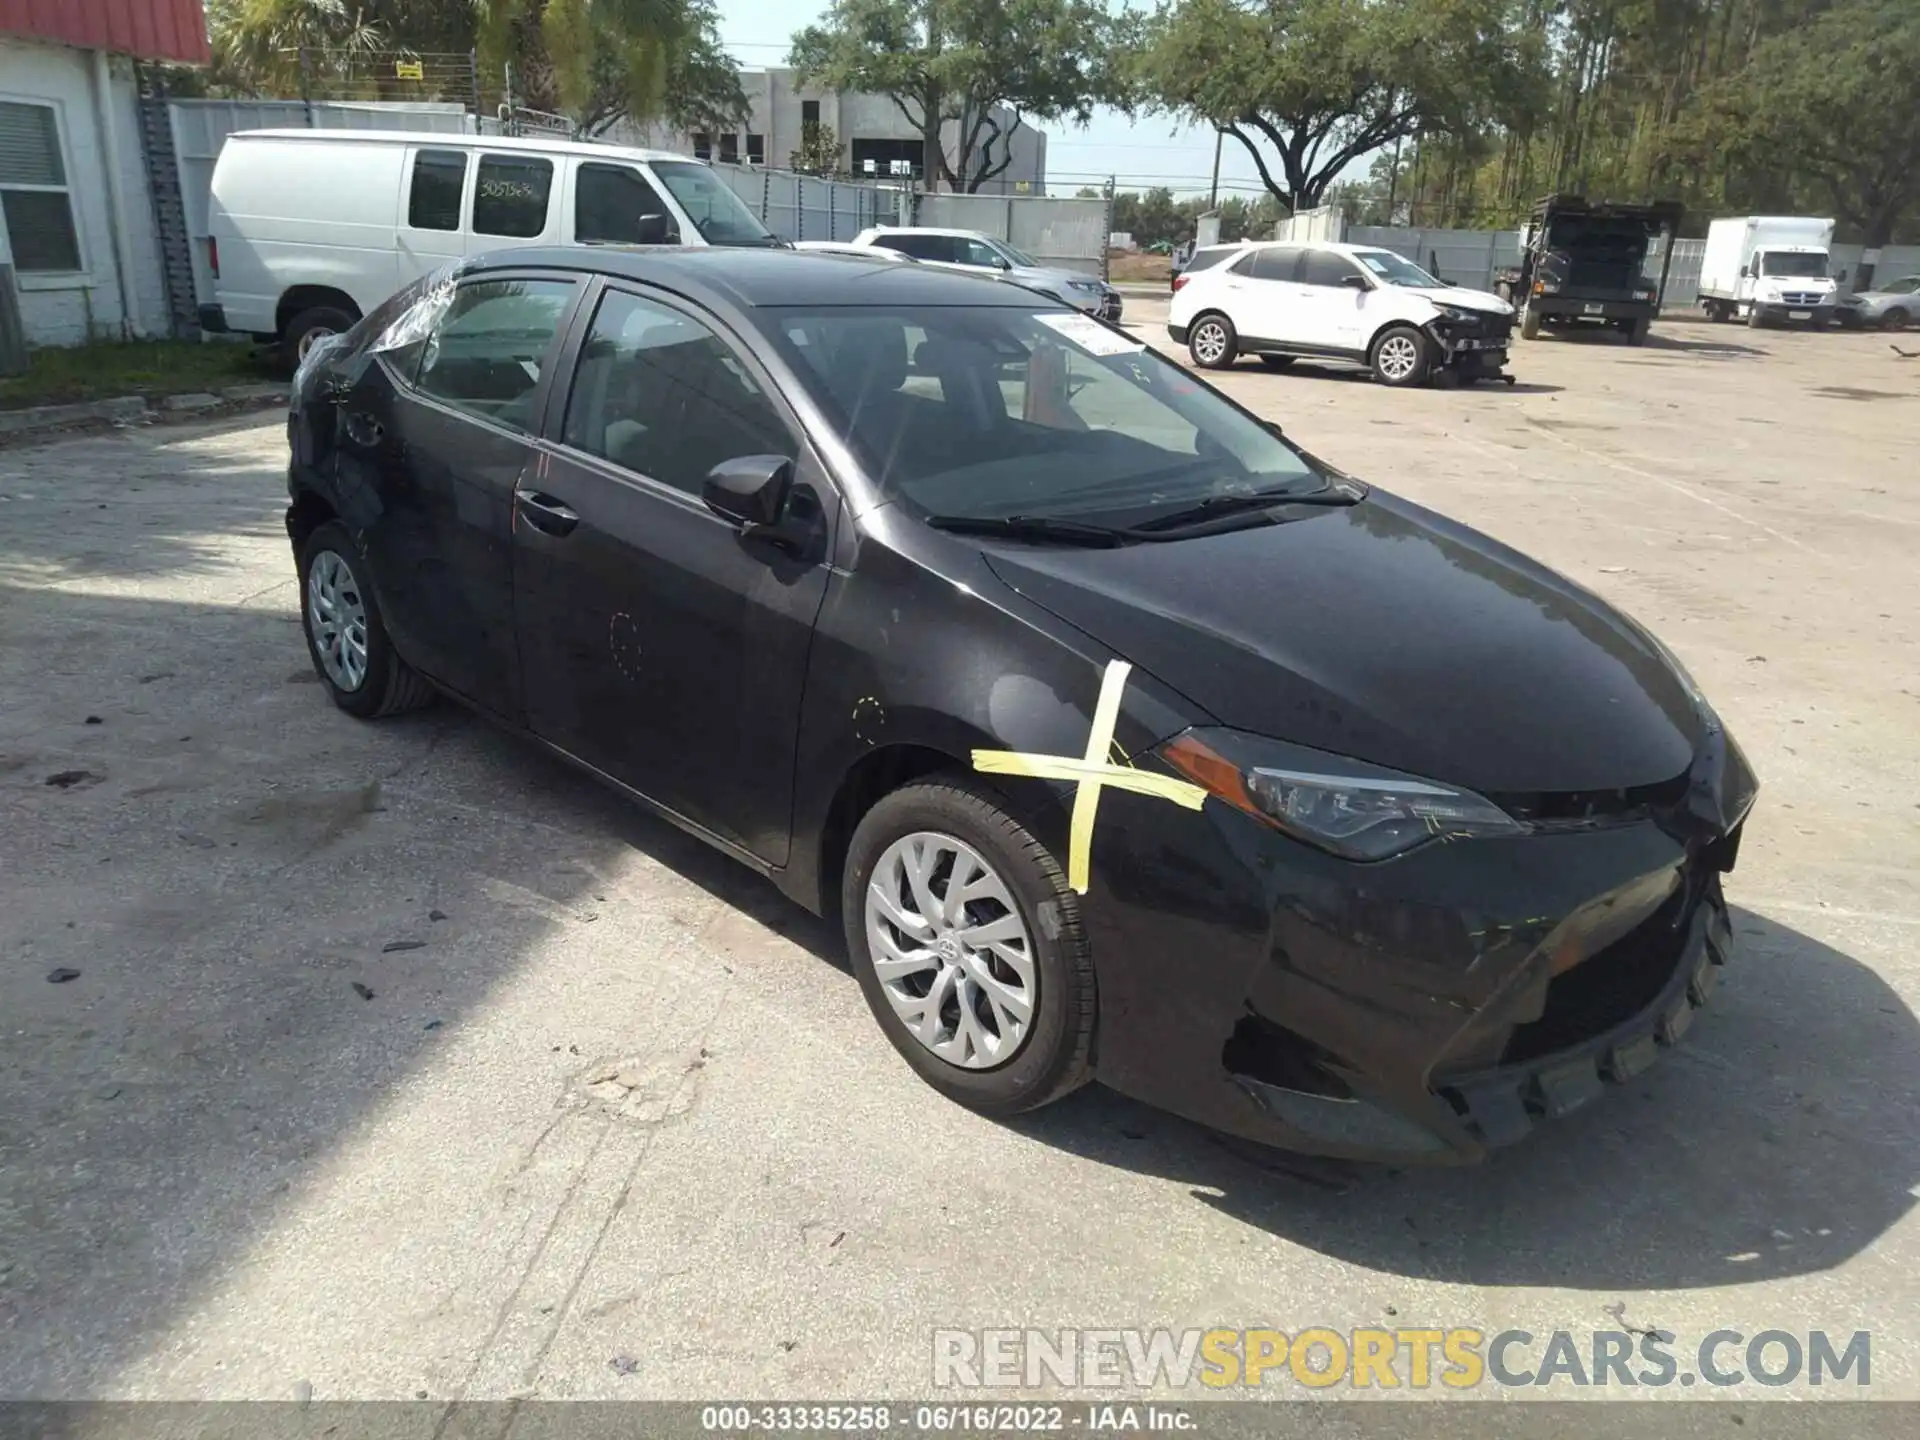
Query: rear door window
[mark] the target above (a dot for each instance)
(921, 247)
(1273, 262)
(608, 201)
(1208, 258)
(439, 180)
(488, 351)
(512, 195)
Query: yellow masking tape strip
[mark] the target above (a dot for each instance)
(1091, 774)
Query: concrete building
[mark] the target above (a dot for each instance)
(76, 214)
(876, 140)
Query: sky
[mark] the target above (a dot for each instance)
(1149, 152)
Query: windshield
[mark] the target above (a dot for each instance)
(1391, 269)
(1018, 257)
(722, 217)
(990, 412)
(1811, 264)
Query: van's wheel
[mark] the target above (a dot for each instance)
(1756, 318)
(346, 639)
(1401, 356)
(1529, 324)
(968, 945)
(1276, 362)
(1212, 342)
(308, 329)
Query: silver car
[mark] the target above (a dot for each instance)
(971, 250)
(1892, 306)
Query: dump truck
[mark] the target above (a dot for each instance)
(1583, 262)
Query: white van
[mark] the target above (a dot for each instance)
(310, 229)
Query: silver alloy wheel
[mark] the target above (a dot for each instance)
(337, 620)
(1209, 341)
(1398, 356)
(312, 338)
(951, 952)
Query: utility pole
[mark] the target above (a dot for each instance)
(1213, 191)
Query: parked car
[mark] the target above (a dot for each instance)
(310, 229)
(1128, 740)
(971, 250)
(1892, 306)
(1348, 303)
(1204, 258)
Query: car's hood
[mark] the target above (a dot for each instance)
(1465, 299)
(1385, 632)
(1041, 275)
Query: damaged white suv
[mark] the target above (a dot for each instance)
(1349, 303)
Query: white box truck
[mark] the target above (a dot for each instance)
(1768, 268)
(310, 229)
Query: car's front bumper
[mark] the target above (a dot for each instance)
(1424, 1009)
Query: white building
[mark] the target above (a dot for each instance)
(77, 221)
(875, 138)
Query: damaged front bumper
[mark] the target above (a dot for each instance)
(1425, 1009)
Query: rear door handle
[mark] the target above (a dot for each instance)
(546, 514)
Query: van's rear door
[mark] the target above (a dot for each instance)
(436, 192)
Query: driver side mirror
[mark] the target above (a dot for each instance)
(1355, 282)
(655, 229)
(751, 491)
(1745, 271)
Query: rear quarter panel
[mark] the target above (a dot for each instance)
(304, 212)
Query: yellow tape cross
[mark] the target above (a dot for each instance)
(1092, 772)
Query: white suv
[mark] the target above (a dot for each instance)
(1351, 303)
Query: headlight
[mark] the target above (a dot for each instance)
(1091, 286)
(1347, 807)
(1453, 312)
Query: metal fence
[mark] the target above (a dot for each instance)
(1069, 233)
(804, 207)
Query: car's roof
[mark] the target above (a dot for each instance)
(756, 277)
(487, 142)
(929, 230)
(1337, 247)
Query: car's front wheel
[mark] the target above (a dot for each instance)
(967, 943)
(1213, 342)
(1401, 356)
(346, 639)
(1895, 319)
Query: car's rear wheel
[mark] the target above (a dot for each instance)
(967, 943)
(1401, 356)
(1276, 362)
(308, 329)
(346, 639)
(1895, 319)
(1212, 342)
(1637, 331)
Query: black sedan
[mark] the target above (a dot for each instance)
(1130, 741)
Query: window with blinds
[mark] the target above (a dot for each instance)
(33, 190)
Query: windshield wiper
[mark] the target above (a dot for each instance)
(1216, 506)
(1033, 527)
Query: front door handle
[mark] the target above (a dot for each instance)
(546, 514)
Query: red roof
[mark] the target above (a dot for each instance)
(147, 29)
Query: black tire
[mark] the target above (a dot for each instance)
(308, 326)
(389, 685)
(1637, 331)
(1056, 1055)
(1229, 351)
(1896, 319)
(1276, 362)
(1756, 318)
(1529, 323)
(1423, 356)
